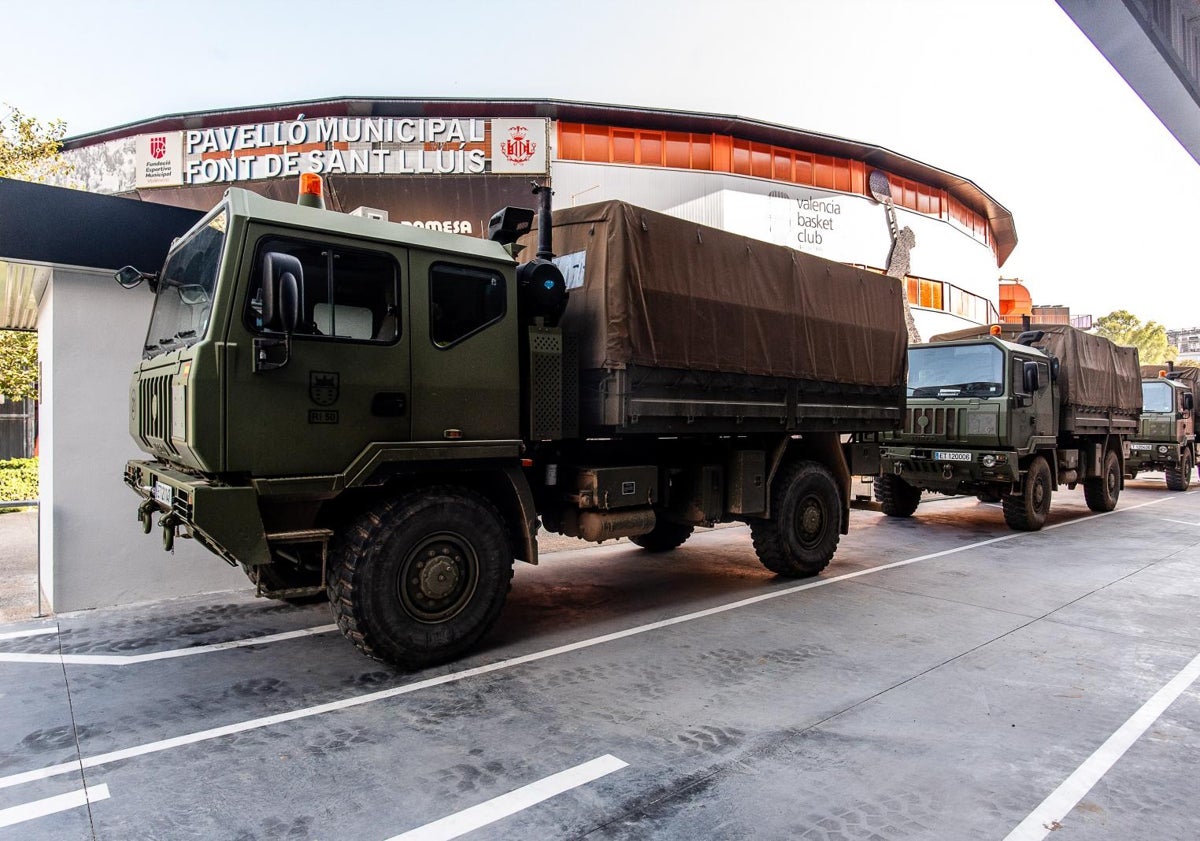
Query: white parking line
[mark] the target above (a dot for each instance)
(1181, 522)
(1047, 817)
(490, 811)
(32, 632)
(453, 677)
(51, 805)
(134, 659)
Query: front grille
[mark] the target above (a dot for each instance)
(937, 420)
(154, 411)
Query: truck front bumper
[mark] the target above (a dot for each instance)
(948, 469)
(223, 519)
(1149, 455)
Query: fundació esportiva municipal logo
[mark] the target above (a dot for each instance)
(158, 147)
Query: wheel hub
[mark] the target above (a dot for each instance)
(439, 577)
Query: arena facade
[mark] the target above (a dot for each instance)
(450, 163)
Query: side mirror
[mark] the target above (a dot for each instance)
(1187, 402)
(1031, 378)
(129, 277)
(1054, 365)
(282, 278)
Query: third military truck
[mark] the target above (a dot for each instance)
(1008, 414)
(1166, 436)
(389, 413)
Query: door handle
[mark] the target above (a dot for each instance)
(389, 404)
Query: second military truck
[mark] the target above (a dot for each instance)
(1010, 413)
(1166, 436)
(389, 412)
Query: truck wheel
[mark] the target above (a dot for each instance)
(806, 523)
(991, 495)
(1179, 477)
(664, 537)
(1027, 510)
(1101, 492)
(419, 579)
(896, 497)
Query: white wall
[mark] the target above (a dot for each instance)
(90, 332)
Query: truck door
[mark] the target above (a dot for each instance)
(346, 382)
(1043, 403)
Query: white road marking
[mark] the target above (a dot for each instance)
(51, 805)
(1181, 522)
(134, 659)
(453, 677)
(490, 811)
(32, 632)
(1048, 816)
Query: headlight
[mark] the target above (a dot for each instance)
(1162, 448)
(989, 460)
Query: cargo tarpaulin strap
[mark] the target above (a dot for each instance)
(663, 292)
(1093, 372)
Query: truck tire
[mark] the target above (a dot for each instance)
(1179, 477)
(806, 523)
(991, 496)
(664, 537)
(896, 497)
(1027, 510)
(1102, 491)
(418, 579)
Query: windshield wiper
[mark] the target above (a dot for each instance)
(185, 334)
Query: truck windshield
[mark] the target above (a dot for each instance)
(186, 286)
(1158, 397)
(956, 371)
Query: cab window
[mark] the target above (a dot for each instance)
(345, 293)
(462, 302)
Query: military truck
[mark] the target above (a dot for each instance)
(1166, 436)
(387, 412)
(1009, 413)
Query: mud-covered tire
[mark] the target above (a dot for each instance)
(1131, 474)
(1101, 492)
(896, 497)
(274, 577)
(806, 523)
(1179, 478)
(664, 537)
(419, 579)
(1027, 510)
(990, 496)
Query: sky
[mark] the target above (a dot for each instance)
(1006, 93)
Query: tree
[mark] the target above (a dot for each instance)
(1124, 328)
(29, 150)
(18, 365)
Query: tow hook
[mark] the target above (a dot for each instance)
(947, 471)
(143, 514)
(898, 468)
(168, 522)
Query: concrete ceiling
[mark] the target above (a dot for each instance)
(1155, 46)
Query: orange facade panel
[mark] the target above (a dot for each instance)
(724, 153)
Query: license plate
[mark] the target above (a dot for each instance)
(1141, 446)
(162, 493)
(943, 455)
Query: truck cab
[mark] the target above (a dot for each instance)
(1166, 436)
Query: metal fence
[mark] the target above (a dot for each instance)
(18, 428)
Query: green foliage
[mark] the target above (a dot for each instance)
(1124, 328)
(18, 480)
(29, 150)
(18, 365)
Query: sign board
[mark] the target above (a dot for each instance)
(342, 146)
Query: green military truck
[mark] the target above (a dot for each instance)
(387, 413)
(1008, 414)
(1166, 436)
